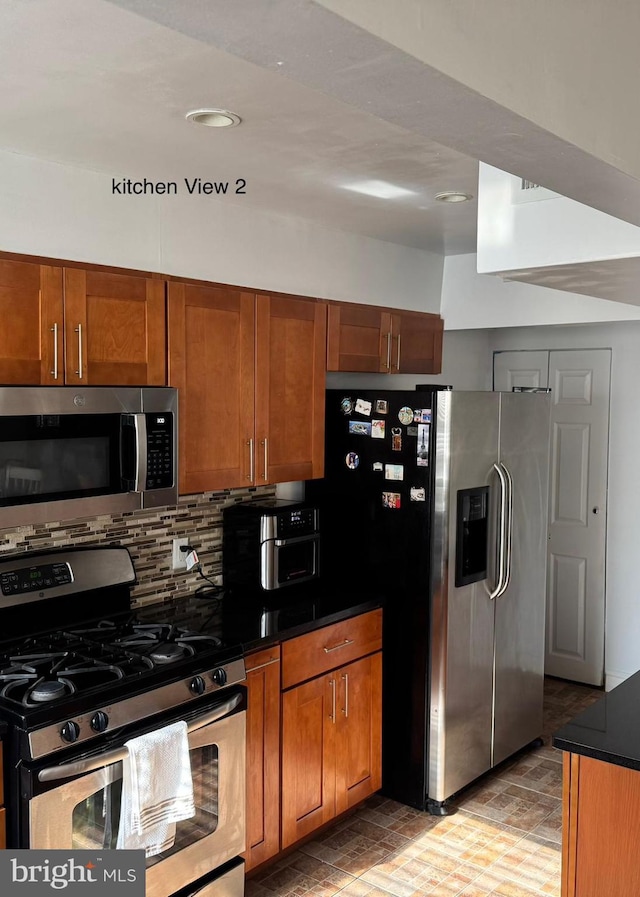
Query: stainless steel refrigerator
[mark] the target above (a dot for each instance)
(436, 501)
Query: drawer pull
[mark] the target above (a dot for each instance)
(347, 641)
(262, 665)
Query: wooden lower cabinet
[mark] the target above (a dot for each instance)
(600, 829)
(331, 745)
(263, 756)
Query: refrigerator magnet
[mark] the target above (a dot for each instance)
(412, 431)
(396, 439)
(382, 406)
(422, 459)
(346, 405)
(377, 466)
(363, 407)
(377, 429)
(425, 416)
(391, 500)
(393, 472)
(417, 493)
(352, 460)
(360, 427)
(405, 415)
(417, 413)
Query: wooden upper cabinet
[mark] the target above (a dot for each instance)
(416, 343)
(31, 308)
(358, 338)
(291, 339)
(115, 332)
(369, 338)
(211, 362)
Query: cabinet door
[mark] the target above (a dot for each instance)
(32, 332)
(290, 382)
(359, 741)
(417, 343)
(263, 756)
(358, 338)
(115, 332)
(308, 757)
(211, 362)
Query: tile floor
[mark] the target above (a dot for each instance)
(504, 840)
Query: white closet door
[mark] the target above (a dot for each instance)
(579, 382)
(520, 369)
(578, 514)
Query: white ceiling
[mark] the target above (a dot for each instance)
(88, 83)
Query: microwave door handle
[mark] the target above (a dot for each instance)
(140, 437)
(99, 761)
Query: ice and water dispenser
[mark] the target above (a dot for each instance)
(472, 534)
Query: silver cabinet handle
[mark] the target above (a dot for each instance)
(78, 330)
(398, 364)
(249, 442)
(389, 351)
(346, 694)
(501, 535)
(54, 330)
(261, 666)
(88, 764)
(343, 644)
(332, 715)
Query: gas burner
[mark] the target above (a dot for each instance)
(48, 690)
(167, 652)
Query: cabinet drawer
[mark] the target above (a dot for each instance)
(316, 653)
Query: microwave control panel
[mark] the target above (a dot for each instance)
(159, 450)
(31, 579)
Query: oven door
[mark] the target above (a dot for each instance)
(286, 562)
(84, 813)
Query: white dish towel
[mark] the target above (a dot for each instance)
(157, 789)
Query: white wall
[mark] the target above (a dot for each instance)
(55, 210)
(558, 231)
(471, 300)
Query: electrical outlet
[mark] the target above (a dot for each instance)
(179, 558)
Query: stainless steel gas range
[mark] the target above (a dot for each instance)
(93, 676)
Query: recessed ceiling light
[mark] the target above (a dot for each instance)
(453, 196)
(214, 118)
(381, 189)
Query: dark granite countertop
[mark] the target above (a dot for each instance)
(609, 730)
(259, 622)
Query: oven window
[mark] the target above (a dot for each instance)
(95, 820)
(58, 457)
(297, 560)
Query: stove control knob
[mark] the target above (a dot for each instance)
(99, 721)
(70, 732)
(219, 676)
(197, 685)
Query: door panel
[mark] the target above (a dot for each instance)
(211, 362)
(520, 369)
(579, 381)
(520, 611)
(577, 529)
(290, 384)
(358, 338)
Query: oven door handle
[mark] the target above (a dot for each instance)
(99, 761)
(281, 543)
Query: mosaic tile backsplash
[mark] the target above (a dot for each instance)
(148, 535)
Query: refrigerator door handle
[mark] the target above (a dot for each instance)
(502, 533)
(508, 529)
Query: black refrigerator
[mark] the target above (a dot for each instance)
(436, 500)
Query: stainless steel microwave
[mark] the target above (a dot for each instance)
(70, 452)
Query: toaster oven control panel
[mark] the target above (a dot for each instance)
(31, 579)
